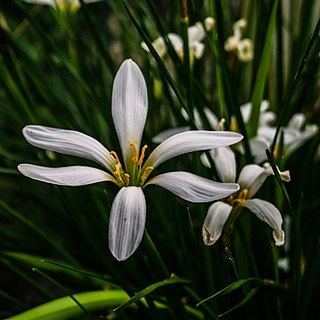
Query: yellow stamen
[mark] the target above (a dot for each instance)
(118, 176)
(114, 154)
(242, 197)
(135, 152)
(143, 151)
(146, 173)
(127, 179)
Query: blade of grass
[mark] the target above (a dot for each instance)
(261, 78)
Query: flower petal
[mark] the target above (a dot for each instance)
(185, 142)
(225, 163)
(252, 178)
(127, 221)
(129, 106)
(192, 187)
(268, 213)
(196, 33)
(217, 215)
(65, 176)
(69, 142)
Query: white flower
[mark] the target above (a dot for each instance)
(242, 47)
(196, 34)
(295, 134)
(62, 4)
(251, 178)
(130, 174)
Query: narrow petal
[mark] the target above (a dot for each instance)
(192, 187)
(69, 142)
(268, 213)
(196, 33)
(252, 178)
(65, 176)
(225, 163)
(177, 43)
(197, 49)
(129, 106)
(127, 221)
(185, 142)
(43, 2)
(217, 215)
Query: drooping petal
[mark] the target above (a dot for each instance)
(129, 106)
(268, 213)
(252, 178)
(192, 187)
(217, 215)
(127, 221)
(177, 43)
(185, 142)
(196, 33)
(65, 176)
(225, 163)
(69, 142)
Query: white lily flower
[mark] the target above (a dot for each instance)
(129, 111)
(196, 34)
(242, 47)
(295, 134)
(251, 178)
(62, 4)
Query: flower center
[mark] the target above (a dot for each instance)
(134, 176)
(242, 197)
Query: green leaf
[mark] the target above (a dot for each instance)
(239, 283)
(151, 288)
(65, 308)
(259, 87)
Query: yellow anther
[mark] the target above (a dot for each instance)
(243, 194)
(127, 179)
(146, 173)
(242, 197)
(143, 151)
(135, 152)
(114, 154)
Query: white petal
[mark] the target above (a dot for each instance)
(196, 33)
(225, 163)
(297, 121)
(177, 43)
(197, 49)
(258, 149)
(192, 187)
(185, 142)
(69, 142)
(300, 138)
(212, 118)
(217, 215)
(268, 213)
(129, 106)
(43, 2)
(252, 178)
(65, 176)
(127, 221)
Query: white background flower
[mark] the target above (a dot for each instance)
(251, 178)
